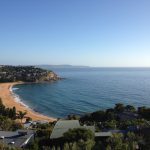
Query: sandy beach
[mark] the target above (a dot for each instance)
(9, 101)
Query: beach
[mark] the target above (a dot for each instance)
(8, 99)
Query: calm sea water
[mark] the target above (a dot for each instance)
(87, 90)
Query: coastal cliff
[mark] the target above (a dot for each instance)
(26, 74)
(49, 76)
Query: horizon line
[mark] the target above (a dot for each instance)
(84, 66)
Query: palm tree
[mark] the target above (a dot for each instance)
(21, 115)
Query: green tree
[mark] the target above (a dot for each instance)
(21, 115)
(111, 124)
(85, 145)
(66, 146)
(108, 147)
(125, 146)
(84, 138)
(144, 112)
(2, 107)
(119, 108)
(58, 147)
(147, 141)
(34, 146)
(74, 146)
(110, 115)
(98, 116)
(130, 108)
(5, 123)
(116, 141)
(53, 148)
(12, 113)
(78, 134)
(132, 140)
(98, 145)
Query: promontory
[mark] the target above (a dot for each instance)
(26, 74)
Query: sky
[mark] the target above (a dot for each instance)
(98, 33)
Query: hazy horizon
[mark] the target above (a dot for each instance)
(76, 66)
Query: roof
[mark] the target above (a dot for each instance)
(41, 121)
(63, 126)
(20, 137)
(27, 125)
(67, 124)
(116, 131)
(103, 134)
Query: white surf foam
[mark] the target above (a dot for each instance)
(16, 97)
(14, 89)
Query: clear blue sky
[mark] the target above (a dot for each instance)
(78, 32)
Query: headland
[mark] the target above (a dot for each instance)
(13, 75)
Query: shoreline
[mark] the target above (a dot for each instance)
(16, 97)
(9, 99)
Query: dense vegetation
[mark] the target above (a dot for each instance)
(128, 134)
(130, 127)
(25, 74)
(8, 117)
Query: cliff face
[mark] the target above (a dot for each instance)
(51, 76)
(26, 74)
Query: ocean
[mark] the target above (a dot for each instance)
(86, 90)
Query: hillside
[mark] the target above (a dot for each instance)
(26, 74)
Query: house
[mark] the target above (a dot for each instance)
(63, 126)
(29, 124)
(19, 138)
(115, 131)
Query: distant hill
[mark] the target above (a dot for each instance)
(61, 66)
(26, 74)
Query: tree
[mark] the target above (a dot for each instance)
(85, 145)
(58, 147)
(110, 115)
(111, 124)
(34, 146)
(28, 119)
(53, 148)
(77, 134)
(125, 146)
(2, 107)
(130, 108)
(12, 113)
(99, 145)
(8, 112)
(5, 123)
(108, 147)
(66, 146)
(98, 116)
(84, 138)
(132, 140)
(116, 141)
(73, 117)
(147, 141)
(74, 146)
(21, 115)
(144, 112)
(119, 108)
